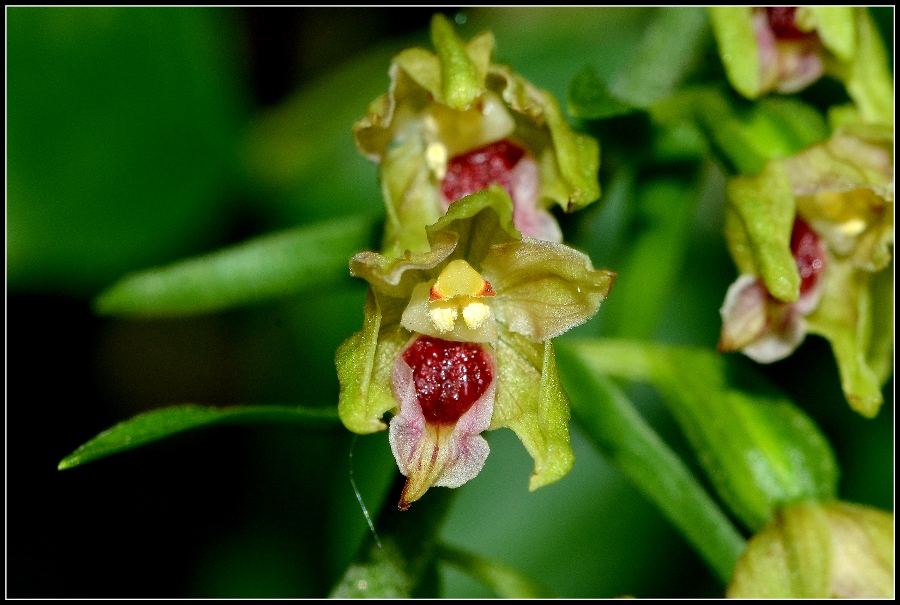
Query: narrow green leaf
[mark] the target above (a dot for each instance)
(758, 449)
(671, 45)
(617, 429)
(260, 269)
(665, 208)
(158, 424)
(506, 581)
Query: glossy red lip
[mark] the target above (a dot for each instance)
(449, 377)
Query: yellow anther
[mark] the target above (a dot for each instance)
(436, 158)
(443, 317)
(475, 313)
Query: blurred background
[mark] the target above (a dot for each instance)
(140, 136)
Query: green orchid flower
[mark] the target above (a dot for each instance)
(456, 340)
(784, 49)
(812, 236)
(453, 123)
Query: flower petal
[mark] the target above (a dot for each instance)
(543, 288)
(762, 237)
(444, 455)
(363, 364)
(531, 402)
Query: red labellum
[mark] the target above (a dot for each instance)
(449, 377)
(809, 254)
(477, 170)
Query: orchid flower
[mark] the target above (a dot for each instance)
(453, 123)
(813, 236)
(456, 340)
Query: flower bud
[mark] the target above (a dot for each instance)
(819, 550)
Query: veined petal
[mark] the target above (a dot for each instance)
(544, 288)
(446, 455)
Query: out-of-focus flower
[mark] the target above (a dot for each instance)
(812, 236)
(819, 550)
(784, 49)
(456, 341)
(453, 123)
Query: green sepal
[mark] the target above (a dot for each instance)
(578, 158)
(835, 25)
(531, 402)
(867, 75)
(758, 227)
(855, 315)
(459, 78)
(738, 48)
(819, 551)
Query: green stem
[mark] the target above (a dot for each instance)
(616, 428)
(394, 564)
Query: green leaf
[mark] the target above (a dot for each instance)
(671, 46)
(758, 449)
(747, 135)
(393, 563)
(261, 269)
(665, 209)
(617, 429)
(506, 581)
(158, 424)
(589, 98)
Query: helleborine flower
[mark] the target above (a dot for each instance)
(812, 236)
(453, 123)
(456, 341)
(785, 49)
(819, 550)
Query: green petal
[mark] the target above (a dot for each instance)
(363, 366)
(477, 231)
(459, 77)
(733, 28)
(544, 289)
(764, 205)
(867, 76)
(578, 158)
(835, 26)
(844, 316)
(531, 402)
